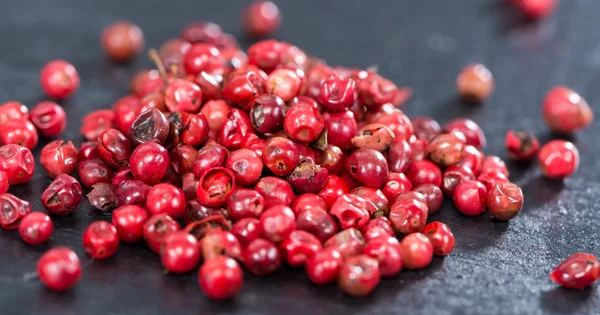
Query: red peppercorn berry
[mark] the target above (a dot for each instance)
(100, 240)
(277, 222)
(504, 201)
(408, 216)
(387, 253)
(49, 119)
(424, 172)
(417, 251)
(246, 230)
(298, 247)
(303, 123)
(215, 187)
(276, 191)
(350, 211)
(246, 165)
(220, 278)
(359, 275)
(62, 196)
(470, 197)
(166, 198)
(441, 238)
(368, 166)
(180, 252)
(521, 145)
(156, 228)
(21, 132)
(97, 122)
(59, 79)
(262, 257)
(129, 221)
(59, 269)
(149, 163)
(36, 228)
(114, 148)
(348, 242)
(122, 41)
(59, 157)
(558, 159)
(245, 203)
(261, 19)
(578, 271)
(12, 210)
(475, 83)
(306, 202)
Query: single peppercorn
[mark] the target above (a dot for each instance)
(49, 119)
(36, 228)
(59, 157)
(59, 269)
(470, 197)
(417, 251)
(12, 211)
(62, 196)
(521, 145)
(359, 275)
(156, 228)
(220, 278)
(262, 257)
(261, 19)
(558, 159)
(578, 271)
(100, 240)
(441, 238)
(59, 79)
(122, 41)
(504, 201)
(180, 252)
(129, 221)
(475, 83)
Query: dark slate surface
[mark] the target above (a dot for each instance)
(497, 268)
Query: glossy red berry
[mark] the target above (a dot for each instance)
(398, 123)
(558, 159)
(350, 211)
(62, 196)
(13, 111)
(505, 201)
(341, 128)
(245, 203)
(122, 41)
(324, 266)
(220, 278)
(285, 83)
(377, 202)
(156, 228)
(166, 198)
(59, 269)
(473, 133)
(92, 172)
(337, 95)
(235, 129)
(89, 151)
(441, 238)
(182, 159)
(132, 192)
(433, 197)
(308, 177)
(578, 271)
(36, 228)
(334, 187)
(470, 197)
(59, 157)
(473, 159)
(215, 186)
(332, 159)
(49, 119)
(368, 166)
(298, 247)
(217, 242)
(246, 166)
(12, 210)
(183, 96)
(359, 275)
(425, 128)
(281, 156)
(387, 253)
(97, 122)
(395, 183)
(59, 79)
(475, 83)
(374, 90)
(180, 252)
(493, 164)
(303, 123)
(267, 113)
(261, 19)
(348, 242)
(262, 257)
(214, 111)
(21, 132)
(202, 57)
(129, 221)
(114, 148)
(100, 240)
(521, 145)
(210, 156)
(17, 162)
(408, 216)
(149, 162)
(424, 172)
(399, 155)
(453, 176)
(307, 202)
(246, 230)
(277, 222)
(276, 191)
(317, 222)
(417, 251)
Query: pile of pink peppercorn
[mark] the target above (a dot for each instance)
(221, 158)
